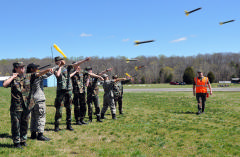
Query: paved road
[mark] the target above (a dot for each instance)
(178, 90)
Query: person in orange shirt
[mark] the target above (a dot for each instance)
(200, 90)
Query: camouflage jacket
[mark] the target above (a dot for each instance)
(108, 87)
(63, 81)
(79, 82)
(93, 89)
(20, 92)
(118, 88)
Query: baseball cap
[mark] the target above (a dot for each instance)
(58, 58)
(32, 66)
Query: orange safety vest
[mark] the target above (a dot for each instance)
(201, 85)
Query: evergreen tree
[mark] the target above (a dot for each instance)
(211, 77)
(188, 75)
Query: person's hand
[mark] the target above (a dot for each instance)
(110, 69)
(15, 75)
(88, 59)
(62, 63)
(78, 69)
(210, 92)
(50, 70)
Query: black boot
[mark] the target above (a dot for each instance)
(199, 112)
(114, 116)
(23, 144)
(78, 123)
(56, 127)
(120, 112)
(41, 137)
(81, 120)
(102, 116)
(98, 119)
(90, 119)
(33, 135)
(18, 145)
(69, 127)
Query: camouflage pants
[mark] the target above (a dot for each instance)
(38, 117)
(108, 101)
(19, 125)
(90, 100)
(118, 100)
(66, 96)
(79, 102)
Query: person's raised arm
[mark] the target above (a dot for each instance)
(76, 71)
(43, 72)
(120, 79)
(81, 62)
(9, 80)
(105, 71)
(96, 76)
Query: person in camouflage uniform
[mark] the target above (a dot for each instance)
(64, 90)
(118, 92)
(38, 113)
(79, 80)
(20, 103)
(108, 98)
(92, 94)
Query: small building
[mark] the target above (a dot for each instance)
(50, 81)
(235, 80)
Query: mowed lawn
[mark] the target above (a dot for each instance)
(153, 124)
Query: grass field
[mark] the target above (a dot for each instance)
(154, 124)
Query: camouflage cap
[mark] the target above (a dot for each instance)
(58, 58)
(88, 68)
(18, 64)
(104, 75)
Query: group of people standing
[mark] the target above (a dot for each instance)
(28, 98)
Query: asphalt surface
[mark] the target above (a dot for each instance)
(178, 90)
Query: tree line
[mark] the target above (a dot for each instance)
(156, 69)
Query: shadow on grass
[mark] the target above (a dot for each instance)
(49, 129)
(5, 135)
(188, 112)
(50, 105)
(6, 145)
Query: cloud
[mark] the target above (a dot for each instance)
(178, 40)
(125, 40)
(85, 35)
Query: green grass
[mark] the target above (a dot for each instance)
(154, 124)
